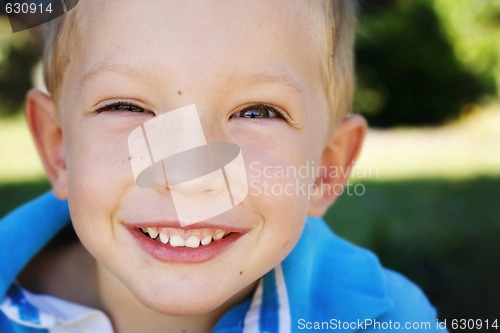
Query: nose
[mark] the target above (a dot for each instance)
(196, 170)
(204, 179)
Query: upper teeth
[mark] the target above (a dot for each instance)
(152, 232)
(187, 238)
(163, 237)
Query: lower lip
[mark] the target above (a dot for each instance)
(181, 254)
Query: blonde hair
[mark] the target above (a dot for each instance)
(338, 75)
(60, 40)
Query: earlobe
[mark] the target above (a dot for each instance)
(336, 161)
(47, 134)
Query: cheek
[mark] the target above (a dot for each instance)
(99, 173)
(97, 161)
(278, 178)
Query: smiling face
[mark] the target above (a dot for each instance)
(254, 74)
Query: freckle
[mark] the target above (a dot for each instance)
(130, 158)
(241, 272)
(179, 93)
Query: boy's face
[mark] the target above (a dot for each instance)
(223, 56)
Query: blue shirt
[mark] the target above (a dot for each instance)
(325, 284)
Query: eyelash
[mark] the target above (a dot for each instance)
(121, 106)
(268, 108)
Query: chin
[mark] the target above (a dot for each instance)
(177, 299)
(182, 307)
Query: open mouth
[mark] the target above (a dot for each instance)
(174, 244)
(191, 238)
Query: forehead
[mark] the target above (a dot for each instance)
(207, 23)
(273, 39)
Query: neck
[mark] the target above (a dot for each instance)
(129, 315)
(52, 268)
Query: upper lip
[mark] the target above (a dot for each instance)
(177, 225)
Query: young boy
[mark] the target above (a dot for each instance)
(274, 79)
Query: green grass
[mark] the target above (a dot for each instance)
(463, 149)
(15, 194)
(19, 160)
(442, 234)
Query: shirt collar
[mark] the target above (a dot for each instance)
(47, 312)
(37, 221)
(267, 311)
(329, 278)
(324, 278)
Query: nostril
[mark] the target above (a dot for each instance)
(209, 184)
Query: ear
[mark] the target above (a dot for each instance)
(47, 135)
(338, 157)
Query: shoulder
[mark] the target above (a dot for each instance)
(406, 296)
(410, 307)
(37, 221)
(336, 280)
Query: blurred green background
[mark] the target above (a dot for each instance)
(425, 193)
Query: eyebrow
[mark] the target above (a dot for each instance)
(277, 78)
(271, 77)
(95, 71)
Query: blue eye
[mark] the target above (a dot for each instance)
(123, 107)
(258, 111)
